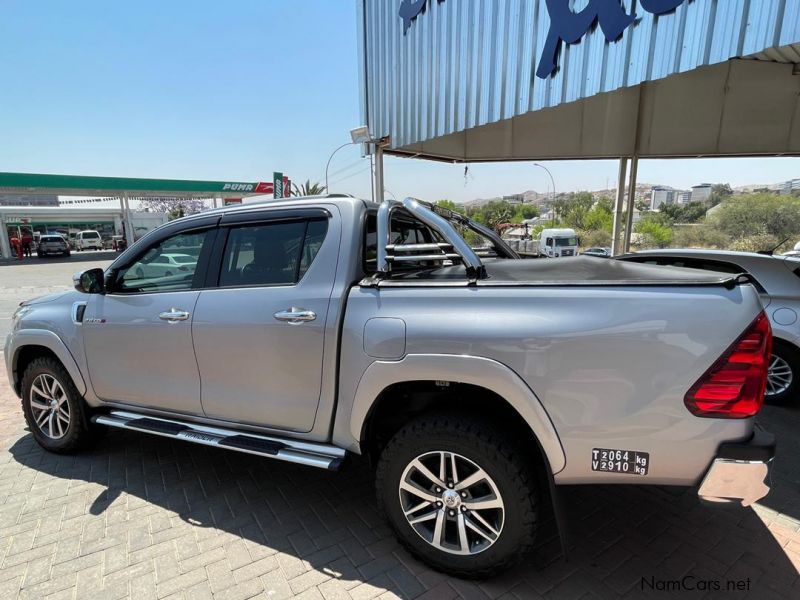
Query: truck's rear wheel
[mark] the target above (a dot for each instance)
(783, 374)
(54, 410)
(458, 496)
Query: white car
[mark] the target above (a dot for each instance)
(165, 265)
(777, 279)
(88, 240)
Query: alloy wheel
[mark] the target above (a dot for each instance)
(451, 503)
(49, 406)
(779, 376)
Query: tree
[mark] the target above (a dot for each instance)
(174, 207)
(574, 209)
(719, 192)
(308, 189)
(655, 229)
(450, 205)
(685, 213)
(523, 212)
(758, 214)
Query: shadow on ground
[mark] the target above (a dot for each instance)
(621, 537)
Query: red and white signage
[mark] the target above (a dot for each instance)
(264, 187)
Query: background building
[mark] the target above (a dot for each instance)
(702, 192)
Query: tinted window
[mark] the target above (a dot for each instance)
(270, 254)
(153, 272)
(91, 235)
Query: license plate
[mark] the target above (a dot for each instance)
(627, 462)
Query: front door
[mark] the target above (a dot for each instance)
(138, 336)
(259, 335)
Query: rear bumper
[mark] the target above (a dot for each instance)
(739, 471)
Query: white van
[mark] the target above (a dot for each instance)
(556, 243)
(88, 240)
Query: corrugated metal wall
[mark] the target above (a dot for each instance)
(465, 63)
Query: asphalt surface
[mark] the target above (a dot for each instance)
(145, 517)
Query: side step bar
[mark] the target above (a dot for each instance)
(323, 456)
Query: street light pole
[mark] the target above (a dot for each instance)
(553, 198)
(327, 189)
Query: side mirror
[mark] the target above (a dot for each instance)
(90, 282)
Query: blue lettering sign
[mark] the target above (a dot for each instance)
(566, 25)
(569, 27)
(410, 10)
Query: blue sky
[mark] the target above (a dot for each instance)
(234, 91)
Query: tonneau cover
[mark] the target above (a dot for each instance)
(582, 270)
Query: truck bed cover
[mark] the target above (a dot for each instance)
(579, 271)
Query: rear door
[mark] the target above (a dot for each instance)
(259, 326)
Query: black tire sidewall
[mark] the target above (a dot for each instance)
(517, 535)
(76, 430)
(792, 357)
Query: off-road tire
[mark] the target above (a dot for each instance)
(487, 447)
(81, 433)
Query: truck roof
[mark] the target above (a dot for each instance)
(294, 202)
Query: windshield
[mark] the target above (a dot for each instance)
(182, 259)
(566, 241)
(91, 234)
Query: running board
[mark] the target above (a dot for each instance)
(323, 456)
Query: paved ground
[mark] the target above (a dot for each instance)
(146, 517)
(31, 277)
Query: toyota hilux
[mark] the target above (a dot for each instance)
(477, 383)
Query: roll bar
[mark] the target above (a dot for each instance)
(441, 220)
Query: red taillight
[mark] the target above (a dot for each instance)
(733, 388)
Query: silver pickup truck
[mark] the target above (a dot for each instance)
(475, 382)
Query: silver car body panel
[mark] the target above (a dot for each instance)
(610, 365)
(774, 273)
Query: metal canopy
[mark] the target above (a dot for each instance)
(464, 80)
(78, 185)
(736, 108)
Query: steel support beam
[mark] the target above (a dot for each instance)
(616, 232)
(126, 219)
(626, 246)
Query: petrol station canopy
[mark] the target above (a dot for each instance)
(77, 185)
(478, 80)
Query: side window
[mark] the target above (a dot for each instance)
(153, 271)
(270, 254)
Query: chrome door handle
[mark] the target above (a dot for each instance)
(174, 314)
(295, 315)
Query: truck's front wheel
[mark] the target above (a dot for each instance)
(458, 496)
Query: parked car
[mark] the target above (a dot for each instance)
(777, 279)
(330, 326)
(88, 240)
(52, 244)
(165, 265)
(601, 252)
